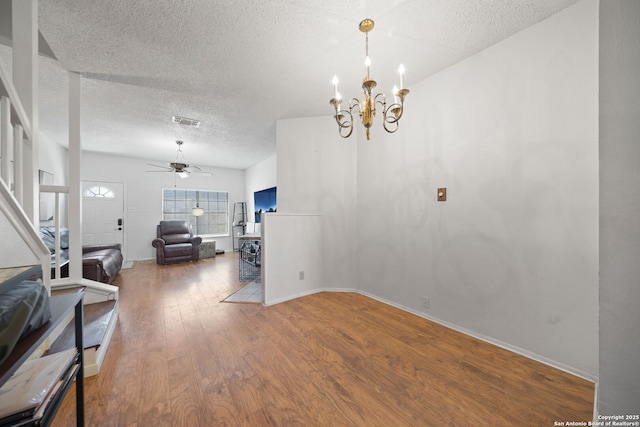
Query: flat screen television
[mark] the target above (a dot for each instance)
(264, 201)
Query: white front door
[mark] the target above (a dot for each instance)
(102, 212)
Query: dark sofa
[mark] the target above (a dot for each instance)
(101, 263)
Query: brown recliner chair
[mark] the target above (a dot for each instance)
(176, 243)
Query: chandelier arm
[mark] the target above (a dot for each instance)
(348, 134)
(395, 122)
(341, 119)
(344, 118)
(354, 103)
(392, 117)
(394, 113)
(382, 102)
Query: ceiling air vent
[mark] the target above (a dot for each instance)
(185, 121)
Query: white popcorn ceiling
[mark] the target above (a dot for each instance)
(238, 66)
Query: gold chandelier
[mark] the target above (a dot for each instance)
(367, 108)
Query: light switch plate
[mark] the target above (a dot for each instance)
(442, 194)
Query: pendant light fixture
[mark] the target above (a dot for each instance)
(367, 108)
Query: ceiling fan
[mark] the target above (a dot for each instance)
(180, 167)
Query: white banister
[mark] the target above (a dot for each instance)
(18, 164)
(54, 189)
(26, 79)
(57, 225)
(18, 115)
(20, 222)
(5, 139)
(16, 126)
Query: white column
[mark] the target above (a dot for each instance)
(25, 80)
(75, 187)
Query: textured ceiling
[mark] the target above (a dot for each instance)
(238, 66)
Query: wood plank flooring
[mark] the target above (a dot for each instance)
(180, 357)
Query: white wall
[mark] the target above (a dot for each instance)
(318, 176)
(53, 159)
(14, 252)
(143, 195)
(292, 256)
(619, 391)
(513, 254)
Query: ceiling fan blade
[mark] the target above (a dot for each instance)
(159, 166)
(168, 170)
(197, 170)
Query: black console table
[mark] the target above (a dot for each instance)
(61, 306)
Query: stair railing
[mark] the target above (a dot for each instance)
(15, 127)
(58, 191)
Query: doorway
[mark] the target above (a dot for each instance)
(103, 213)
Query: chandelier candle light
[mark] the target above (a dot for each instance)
(367, 108)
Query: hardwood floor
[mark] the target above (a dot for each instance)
(180, 357)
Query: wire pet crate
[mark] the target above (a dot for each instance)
(250, 259)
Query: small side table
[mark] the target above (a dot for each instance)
(208, 249)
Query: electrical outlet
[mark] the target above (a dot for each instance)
(425, 302)
(301, 275)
